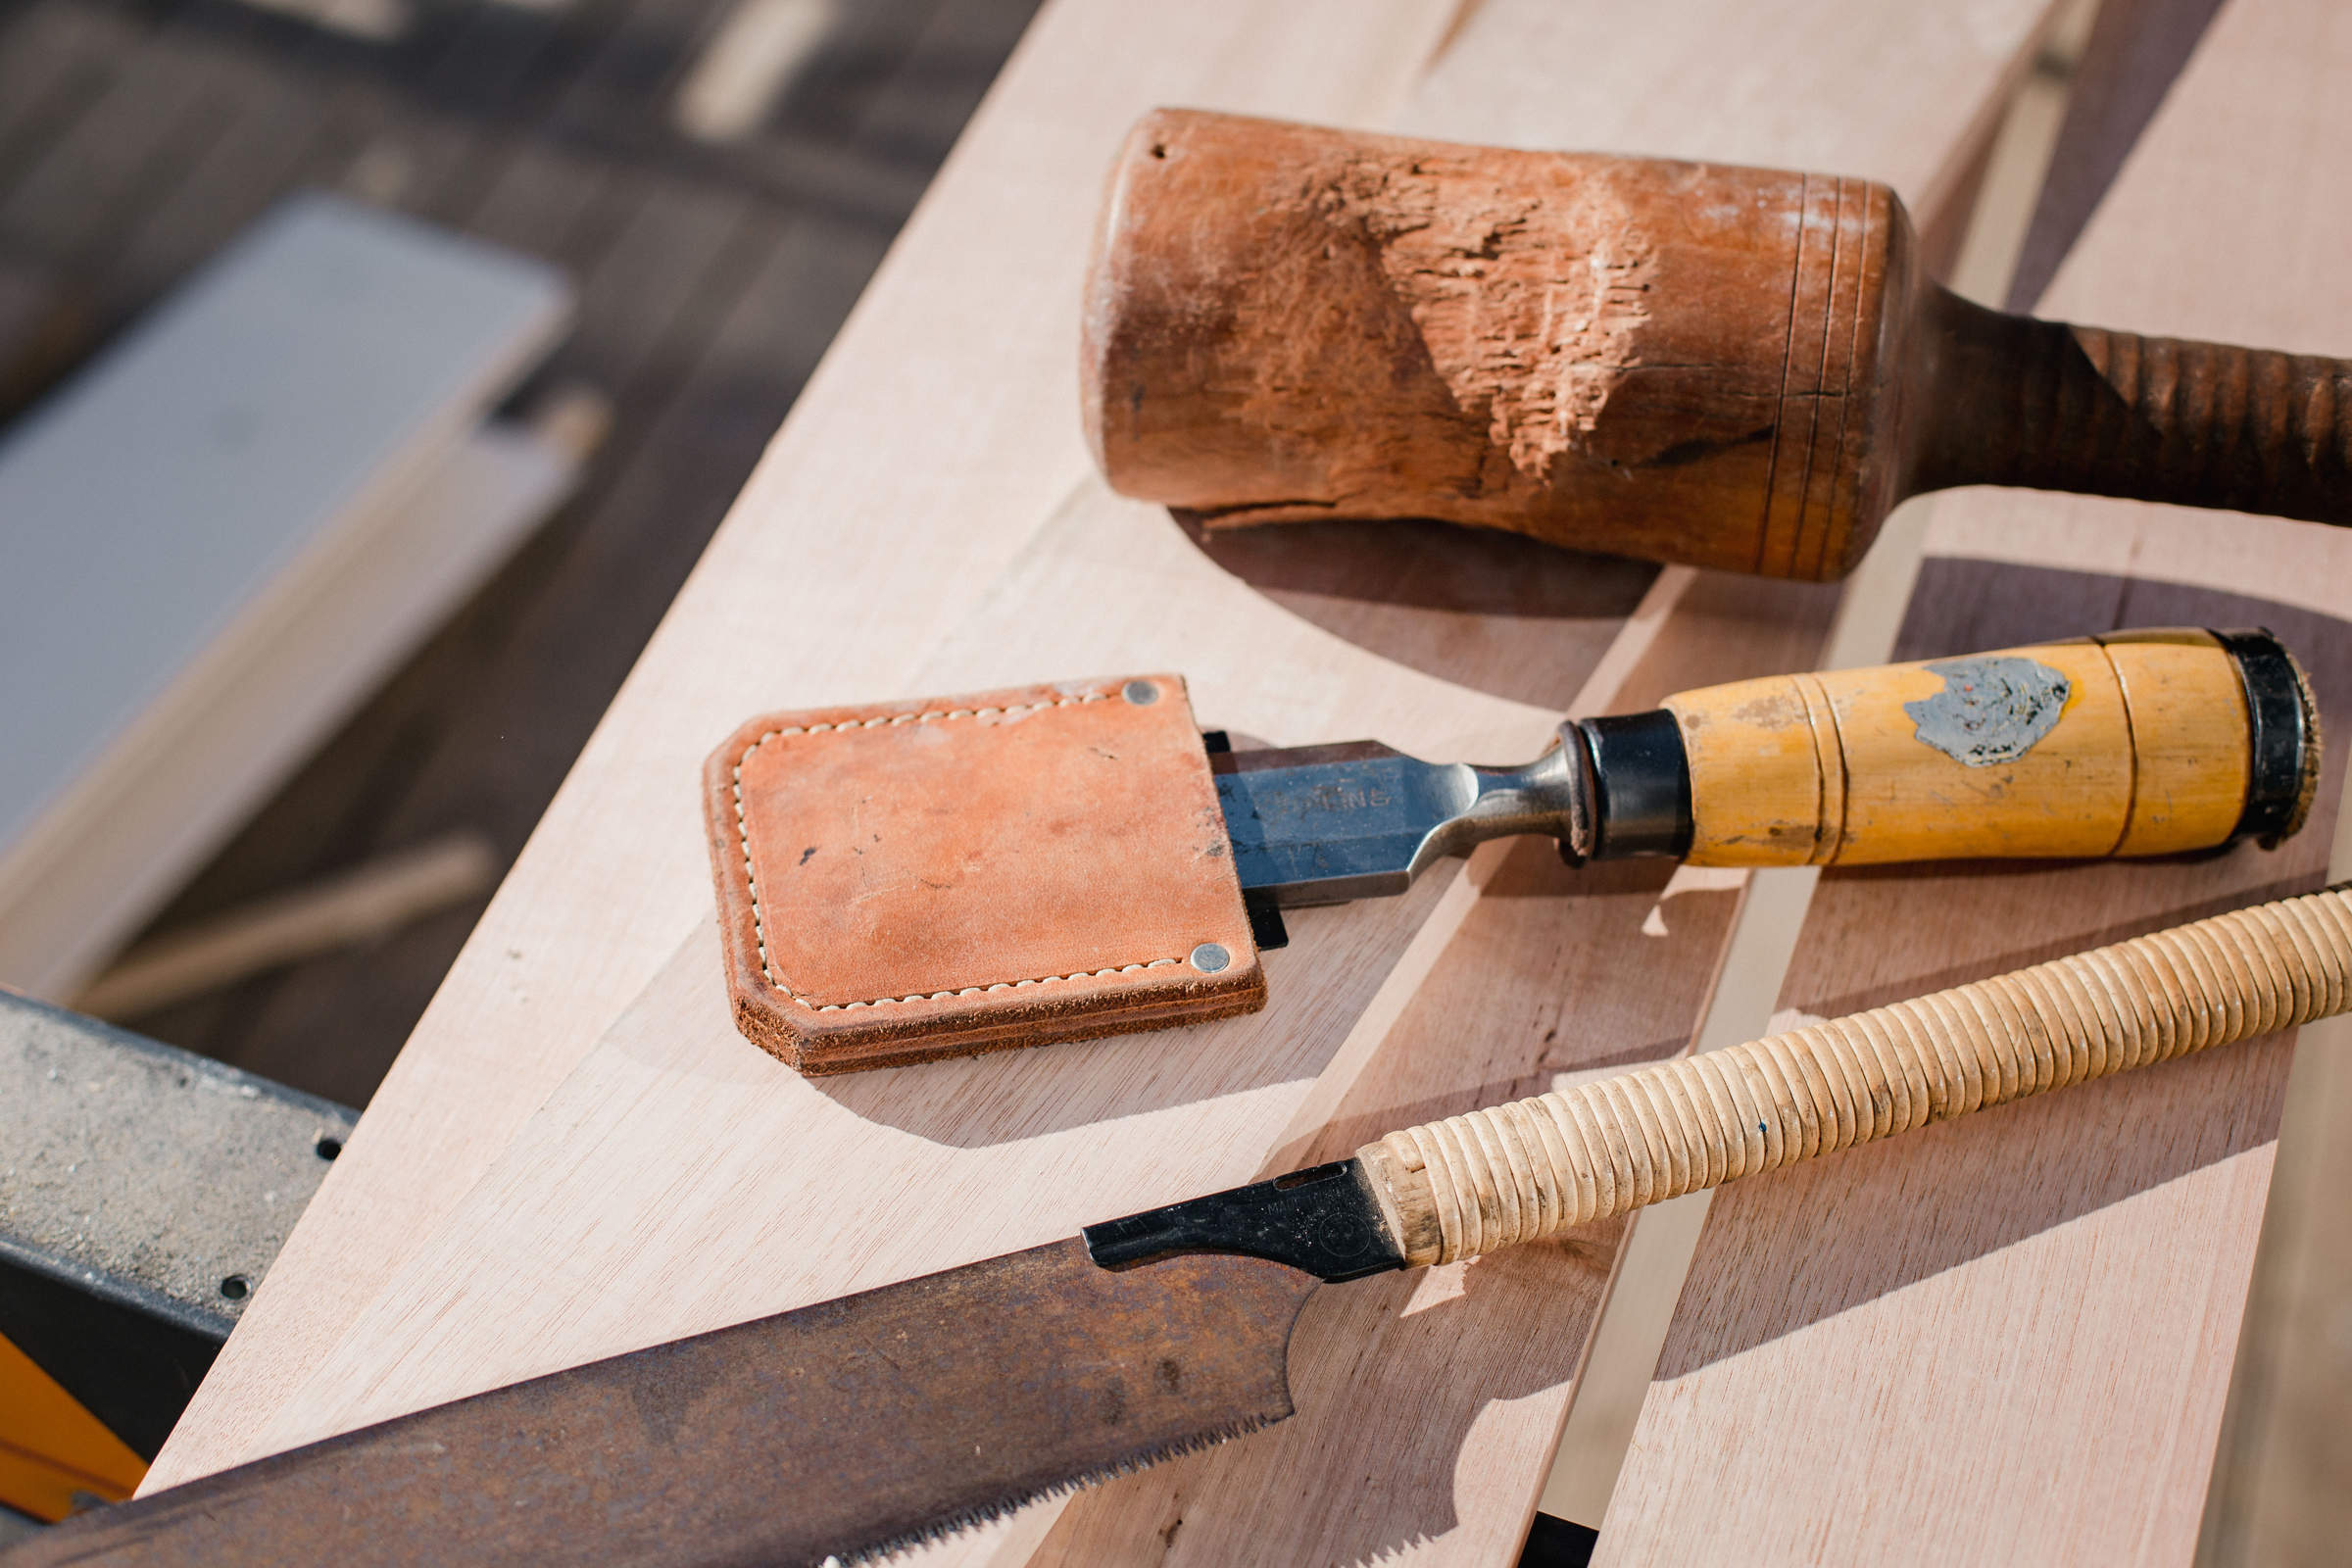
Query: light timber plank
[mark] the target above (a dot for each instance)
(2278, 1489)
(2132, 52)
(184, 775)
(650, 1159)
(1456, 1487)
(946, 413)
(362, 906)
(1999, 1313)
(1207, 1102)
(1430, 1403)
(1997, 1322)
(221, 532)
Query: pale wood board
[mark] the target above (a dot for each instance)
(1465, 1493)
(649, 1162)
(2006, 1321)
(363, 905)
(1430, 1403)
(946, 413)
(2278, 1486)
(1661, 1242)
(222, 530)
(238, 719)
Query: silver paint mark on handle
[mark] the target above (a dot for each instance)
(1990, 710)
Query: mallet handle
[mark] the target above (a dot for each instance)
(1514, 1174)
(2053, 407)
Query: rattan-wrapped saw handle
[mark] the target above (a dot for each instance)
(1514, 1174)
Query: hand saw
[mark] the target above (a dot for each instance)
(846, 1430)
(899, 881)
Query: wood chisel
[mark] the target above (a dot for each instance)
(1743, 369)
(843, 1431)
(908, 880)
(1841, 767)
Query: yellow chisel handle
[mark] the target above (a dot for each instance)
(2137, 743)
(1514, 1174)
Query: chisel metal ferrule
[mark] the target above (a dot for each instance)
(1639, 778)
(2283, 751)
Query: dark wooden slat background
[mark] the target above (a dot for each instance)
(136, 139)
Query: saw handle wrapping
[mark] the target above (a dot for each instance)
(1514, 1173)
(2138, 743)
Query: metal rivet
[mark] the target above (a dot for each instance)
(1211, 957)
(1141, 693)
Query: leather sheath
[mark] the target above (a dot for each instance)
(903, 881)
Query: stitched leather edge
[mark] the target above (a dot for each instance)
(743, 834)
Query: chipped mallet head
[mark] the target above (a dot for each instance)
(1741, 368)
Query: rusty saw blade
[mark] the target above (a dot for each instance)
(841, 1430)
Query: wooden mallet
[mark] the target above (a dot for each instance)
(1733, 367)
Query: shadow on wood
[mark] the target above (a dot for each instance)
(1878, 1220)
(1365, 1357)
(974, 1102)
(1439, 597)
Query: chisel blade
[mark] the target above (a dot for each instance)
(1324, 824)
(1327, 824)
(840, 1431)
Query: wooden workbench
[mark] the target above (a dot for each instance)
(2028, 1321)
(576, 1155)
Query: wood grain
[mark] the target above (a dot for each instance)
(1854, 1352)
(616, 874)
(2278, 1489)
(1542, 977)
(672, 1177)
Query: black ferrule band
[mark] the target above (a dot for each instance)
(2283, 740)
(1641, 785)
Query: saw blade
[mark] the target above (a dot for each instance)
(840, 1431)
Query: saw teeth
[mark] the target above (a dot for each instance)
(988, 1513)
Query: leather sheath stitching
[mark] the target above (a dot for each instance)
(743, 834)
